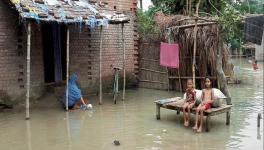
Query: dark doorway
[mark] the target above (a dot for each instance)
(54, 52)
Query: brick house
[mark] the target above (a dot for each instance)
(83, 51)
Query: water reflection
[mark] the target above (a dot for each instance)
(29, 142)
(258, 134)
(133, 123)
(68, 130)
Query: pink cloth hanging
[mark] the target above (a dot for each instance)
(169, 55)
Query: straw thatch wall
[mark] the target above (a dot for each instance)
(206, 54)
(151, 74)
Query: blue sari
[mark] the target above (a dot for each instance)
(74, 92)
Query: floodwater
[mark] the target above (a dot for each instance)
(133, 123)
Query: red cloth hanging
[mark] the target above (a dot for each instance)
(169, 55)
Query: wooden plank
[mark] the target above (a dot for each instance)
(153, 71)
(188, 77)
(153, 81)
(147, 59)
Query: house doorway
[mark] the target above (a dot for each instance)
(54, 52)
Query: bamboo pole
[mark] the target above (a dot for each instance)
(124, 62)
(194, 52)
(179, 74)
(187, 7)
(28, 69)
(168, 84)
(141, 4)
(151, 70)
(195, 42)
(67, 68)
(153, 81)
(100, 66)
(190, 7)
(187, 77)
(170, 41)
(192, 25)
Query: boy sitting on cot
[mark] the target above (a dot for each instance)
(189, 102)
(207, 101)
(75, 99)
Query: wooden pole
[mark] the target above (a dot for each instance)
(195, 42)
(100, 66)
(179, 74)
(219, 68)
(28, 69)
(67, 68)
(124, 63)
(168, 83)
(141, 4)
(190, 7)
(192, 25)
(258, 119)
(194, 52)
(187, 7)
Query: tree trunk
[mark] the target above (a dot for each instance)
(220, 73)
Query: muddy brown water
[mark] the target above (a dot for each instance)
(133, 123)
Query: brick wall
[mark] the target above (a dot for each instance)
(84, 50)
(122, 5)
(13, 56)
(84, 54)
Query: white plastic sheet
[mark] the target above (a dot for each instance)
(217, 94)
(85, 4)
(51, 2)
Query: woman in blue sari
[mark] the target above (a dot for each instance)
(75, 99)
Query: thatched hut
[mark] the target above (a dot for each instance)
(180, 29)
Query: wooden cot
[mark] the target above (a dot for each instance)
(175, 104)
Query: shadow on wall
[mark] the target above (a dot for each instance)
(5, 100)
(10, 99)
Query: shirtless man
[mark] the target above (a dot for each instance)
(207, 100)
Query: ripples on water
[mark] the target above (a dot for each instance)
(133, 123)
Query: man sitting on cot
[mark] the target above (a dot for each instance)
(75, 99)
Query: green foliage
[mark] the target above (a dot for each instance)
(146, 24)
(169, 6)
(228, 12)
(230, 19)
(250, 6)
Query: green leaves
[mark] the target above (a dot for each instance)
(146, 24)
(230, 19)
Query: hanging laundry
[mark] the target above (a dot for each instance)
(169, 55)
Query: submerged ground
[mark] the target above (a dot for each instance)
(133, 123)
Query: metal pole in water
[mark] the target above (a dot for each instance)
(258, 118)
